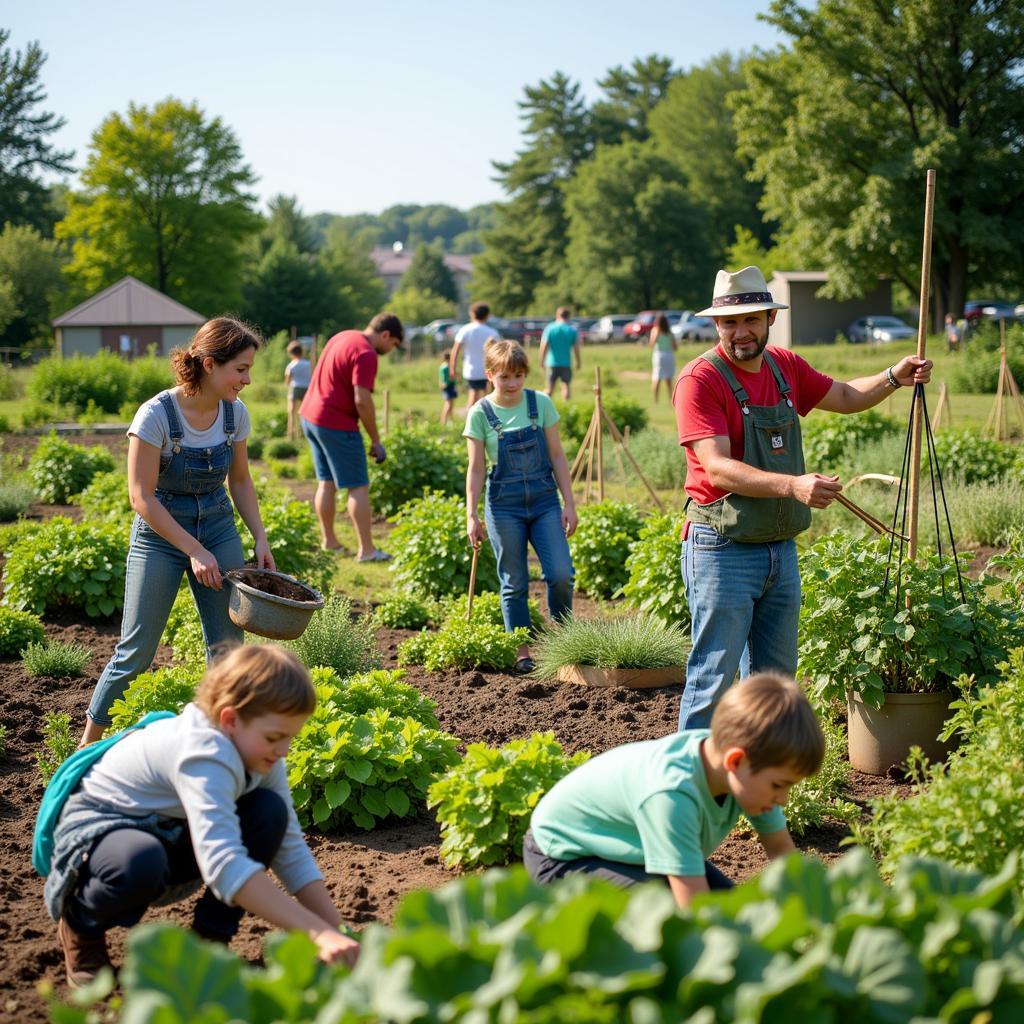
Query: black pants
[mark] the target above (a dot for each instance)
(128, 869)
(544, 869)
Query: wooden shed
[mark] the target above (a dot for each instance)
(811, 320)
(128, 318)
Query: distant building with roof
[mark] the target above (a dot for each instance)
(392, 263)
(810, 319)
(128, 318)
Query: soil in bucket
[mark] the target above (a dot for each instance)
(273, 585)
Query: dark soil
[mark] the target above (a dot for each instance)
(276, 586)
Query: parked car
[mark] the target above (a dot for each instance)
(879, 328)
(585, 325)
(641, 326)
(441, 332)
(988, 309)
(698, 328)
(524, 329)
(611, 327)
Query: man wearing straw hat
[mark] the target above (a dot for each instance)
(748, 490)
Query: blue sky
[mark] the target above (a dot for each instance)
(356, 106)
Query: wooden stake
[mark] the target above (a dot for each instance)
(913, 491)
(577, 466)
(600, 433)
(943, 408)
(472, 582)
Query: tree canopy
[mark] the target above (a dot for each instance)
(428, 273)
(32, 281)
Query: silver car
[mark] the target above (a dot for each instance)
(699, 328)
(880, 328)
(610, 328)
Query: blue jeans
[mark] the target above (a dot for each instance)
(155, 568)
(745, 605)
(518, 517)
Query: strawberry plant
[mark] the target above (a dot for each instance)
(484, 803)
(655, 583)
(432, 553)
(357, 762)
(163, 689)
(67, 565)
(59, 469)
(601, 545)
(419, 459)
(18, 630)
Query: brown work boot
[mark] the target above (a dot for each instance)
(84, 955)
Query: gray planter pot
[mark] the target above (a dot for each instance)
(881, 738)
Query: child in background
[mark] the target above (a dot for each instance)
(516, 430)
(200, 797)
(658, 809)
(296, 376)
(447, 385)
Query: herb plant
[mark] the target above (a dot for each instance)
(55, 660)
(18, 630)
(419, 459)
(655, 583)
(58, 743)
(336, 640)
(484, 803)
(163, 689)
(15, 498)
(68, 565)
(432, 553)
(601, 545)
(59, 469)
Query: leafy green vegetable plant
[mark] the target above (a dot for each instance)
(655, 583)
(58, 743)
(1010, 567)
(853, 637)
(486, 608)
(67, 565)
(484, 803)
(106, 497)
(335, 639)
(59, 469)
(631, 641)
(18, 630)
(601, 545)
(966, 456)
(402, 611)
(163, 689)
(464, 645)
(829, 439)
(354, 763)
(420, 458)
(432, 553)
(55, 660)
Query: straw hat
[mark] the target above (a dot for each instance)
(740, 291)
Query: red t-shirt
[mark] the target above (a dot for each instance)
(347, 361)
(706, 407)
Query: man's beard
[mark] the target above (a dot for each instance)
(730, 348)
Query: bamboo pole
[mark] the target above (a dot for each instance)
(577, 466)
(943, 408)
(600, 433)
(472, 582)
(995, 417)
(914, 490)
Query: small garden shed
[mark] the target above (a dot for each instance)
(128, 318)
(811, 319)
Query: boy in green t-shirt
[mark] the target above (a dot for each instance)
(660, 808)
(447, 386)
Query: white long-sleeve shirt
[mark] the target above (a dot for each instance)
(186, 768)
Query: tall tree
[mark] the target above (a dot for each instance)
(693, 127)
(25, 149)
(428, 273)
(288, 224)
(842, 125)
(357, 289)
(632, 226)
(630, 96)
(288, 288)
(164, 198)
(30, 274)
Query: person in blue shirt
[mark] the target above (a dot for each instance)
(559, 345)
(656, 810)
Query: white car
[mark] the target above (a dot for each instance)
(610, 328)
(699, 328)
(879, 328)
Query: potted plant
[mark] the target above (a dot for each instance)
(896, 656)
(634, 650)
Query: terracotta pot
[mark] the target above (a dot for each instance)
(637, 678)
(881, 738)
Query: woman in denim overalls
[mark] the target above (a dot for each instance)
(185, 520)
(529, 469)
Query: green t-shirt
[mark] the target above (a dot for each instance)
(560, 337)
(511, 419)
(643, 803)
(444, 374)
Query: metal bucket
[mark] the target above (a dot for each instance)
(277, 618)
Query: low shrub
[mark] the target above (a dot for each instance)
(624, 412)
(335, 640)
(978, 373)
(632, 641)
(464, 645)
(432, 552)
(268, 425)
(660, 458)
(419, 459)
(15, 498)
(486, 608)
(58, 743)
(402, 611)
(282, 448)
(147, 377)
(164, 689)
(964, 455)
(355, 765)
(106, 497)
(59, 469)
(17, 631)
(102, 378)
(67, 565)
(829, 439)
(601, 544)
(254, 447)
(283, 470)
(484, 803)
(55, 660)
(655, 583)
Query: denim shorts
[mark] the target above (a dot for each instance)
(450, 392)
(296, 393)
(338, 455)
(476, 383)
(562, 373)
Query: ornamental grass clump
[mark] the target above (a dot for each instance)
(337, 640)
(632, 641)
(484, 803)
(55, 660)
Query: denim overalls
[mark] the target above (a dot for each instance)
(191, 487)
(522, 505)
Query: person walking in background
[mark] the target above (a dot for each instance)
(516, 430)
(296, 376)
(447, 385)
(470, 341)
(339, 399)
(953, 334)
(182, 445)
(559, 344)
(663, 356)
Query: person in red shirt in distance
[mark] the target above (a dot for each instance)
(738, 410)
(339, 399)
